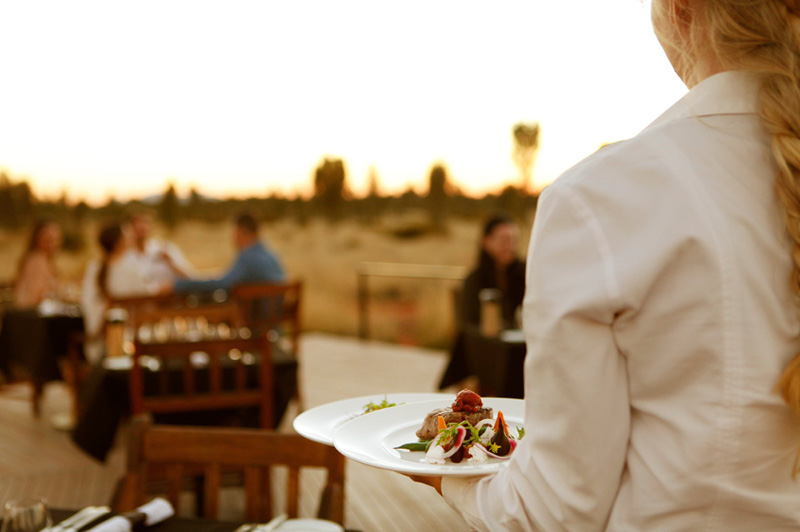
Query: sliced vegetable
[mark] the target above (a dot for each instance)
(416, 446)
(461, 433)
(493, 455)
(500, 422)
(500, 443)
(484, 423)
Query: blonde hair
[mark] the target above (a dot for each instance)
(760, 36)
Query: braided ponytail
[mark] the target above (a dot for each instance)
(779, 110)
(763, 37)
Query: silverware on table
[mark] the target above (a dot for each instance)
(80, 519)
(272, 525)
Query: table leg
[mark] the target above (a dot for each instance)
(38, 387)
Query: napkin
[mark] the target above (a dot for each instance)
(150, 514)
(156, 511)
(115, 524)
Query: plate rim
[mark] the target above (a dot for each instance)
(319, 438)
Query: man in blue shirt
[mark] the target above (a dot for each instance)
(255, 263)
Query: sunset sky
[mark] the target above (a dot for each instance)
(234, 97)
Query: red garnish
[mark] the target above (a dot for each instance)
(467, 401)
(500, 422)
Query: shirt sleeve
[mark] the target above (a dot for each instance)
(566, 471)
(236, 274)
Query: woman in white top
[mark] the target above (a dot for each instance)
(116, 275)
(661, 305)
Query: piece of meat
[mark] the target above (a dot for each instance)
(429, 426)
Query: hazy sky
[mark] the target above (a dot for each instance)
(235, 97)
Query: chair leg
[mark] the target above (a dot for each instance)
(38, 388)
(331, 506)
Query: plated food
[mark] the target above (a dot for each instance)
(464, 431)
(376, 439)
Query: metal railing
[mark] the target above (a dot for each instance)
(392, 269)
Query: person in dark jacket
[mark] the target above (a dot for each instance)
(498, 269)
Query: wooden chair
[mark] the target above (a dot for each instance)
(137, 312)
(273, 310)
(177, 356)
(133, 305)
(210, 451)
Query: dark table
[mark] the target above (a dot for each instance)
(105, 400)
(173, 524)
(33, 341)
(498, 362)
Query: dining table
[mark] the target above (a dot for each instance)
(33, 341)
(104, 399)
(497, 361)
(173, 524)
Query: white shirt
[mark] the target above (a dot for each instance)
(151, 263)
(123, 279)
(658, 318)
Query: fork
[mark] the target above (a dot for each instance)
(84, 517)
(272, 525)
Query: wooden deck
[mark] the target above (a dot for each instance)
(38, 460)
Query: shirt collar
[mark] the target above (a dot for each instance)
(726, 93)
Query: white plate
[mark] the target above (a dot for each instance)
(320, 423)
(372, 439)
(309, 525)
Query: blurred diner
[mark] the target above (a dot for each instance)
(37, 277)
(116, 275)
(158, 261)
(492, 293)
(498, 273)
(255, 263)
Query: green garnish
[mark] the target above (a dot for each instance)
(520, 433)
(493, 447)
(372, 407)
(421, 445)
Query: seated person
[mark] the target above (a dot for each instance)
(159, 261)
(255, 263)
(499, 269)
(115, 275)
(37, 278)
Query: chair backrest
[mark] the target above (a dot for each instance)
(133, 305)
(207, 374)
(207, 452)
(267, 306)
(150, 310)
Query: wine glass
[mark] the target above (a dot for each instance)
(26, 515)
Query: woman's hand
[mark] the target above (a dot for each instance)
(434, 482)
